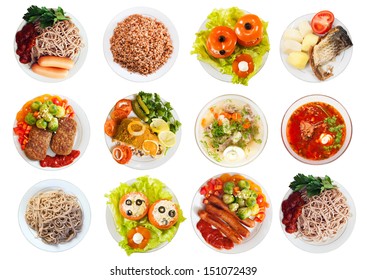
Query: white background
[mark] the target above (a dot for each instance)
(96, 88)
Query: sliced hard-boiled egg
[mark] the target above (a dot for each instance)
(233, 154)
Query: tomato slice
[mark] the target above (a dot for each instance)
(243, 65)
(110, 127)
(122, 109)
(249, 30)
(144, 236)
(122, 154)
(322, 22)
(221, 42)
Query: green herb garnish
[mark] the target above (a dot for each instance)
(159, 109)
(336, 129)
(313, 185)
(46, 17)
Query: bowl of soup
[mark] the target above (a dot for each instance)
(316, 129)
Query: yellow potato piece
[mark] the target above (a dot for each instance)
(309, 41)
(298, 59)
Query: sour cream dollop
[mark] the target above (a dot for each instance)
(233, 154)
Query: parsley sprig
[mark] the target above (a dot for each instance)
(313, 185)
(46, 17)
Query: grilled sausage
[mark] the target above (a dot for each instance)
(216, 201)
(222, 226)
(231, 220)
(39, 141)
(63, 140)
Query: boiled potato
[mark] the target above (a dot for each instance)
(298, 59)
(289, 46)
(304, 28)
(309, 41)
(293, 34)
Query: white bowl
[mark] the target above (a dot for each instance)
(317, 98)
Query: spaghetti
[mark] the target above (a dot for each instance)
(55, 216)
(61, 39)
(323, 216)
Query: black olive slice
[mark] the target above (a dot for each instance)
(128, 202)
(161, 209)
(129, 212)
(139, 202)
(172, 213)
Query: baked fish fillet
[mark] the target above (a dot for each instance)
(334, 43)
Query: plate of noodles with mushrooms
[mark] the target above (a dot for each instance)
(54, 215)
(50, 44)
(317, 213)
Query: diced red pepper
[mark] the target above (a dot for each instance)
(260, 217)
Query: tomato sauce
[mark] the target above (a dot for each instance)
(59, 160)
(213, 236)
(292, 209)
(316, 131)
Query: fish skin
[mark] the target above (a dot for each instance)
(334, 43)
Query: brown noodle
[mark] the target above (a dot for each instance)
(323, 216)
(62, 39)
(55, 216)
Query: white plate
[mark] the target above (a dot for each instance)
(214, 72)
(111, 225)
(329, 245)
(257, 234)
(48, 185)
(146, 162)
(317, 98)
(79, 60)
(80, 143)
(339, 64)
(255, 152)
(147, 12)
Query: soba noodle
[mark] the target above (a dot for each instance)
(62, 39)
(323, 216)
(55, 216)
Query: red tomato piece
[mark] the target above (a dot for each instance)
(322, 22)
(243, 65)
(221, 42)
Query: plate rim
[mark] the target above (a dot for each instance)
(84, 131)
(339, 239)
(263, 228)
(145, 165)
(310, 77)
(254, 106)
(79, 61)
(68, 188)
(152, 13)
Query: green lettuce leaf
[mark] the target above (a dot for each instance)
(154, 190)
(229, 17)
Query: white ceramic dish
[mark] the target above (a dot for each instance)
(80, 143)
(79, 61)
(48, 185)
(148, 12)
(147, 162)
(254, 148)
(111, 225)
(214, 72)
(257, 234)
(339, 64)
(317, 98)
(328, 245)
